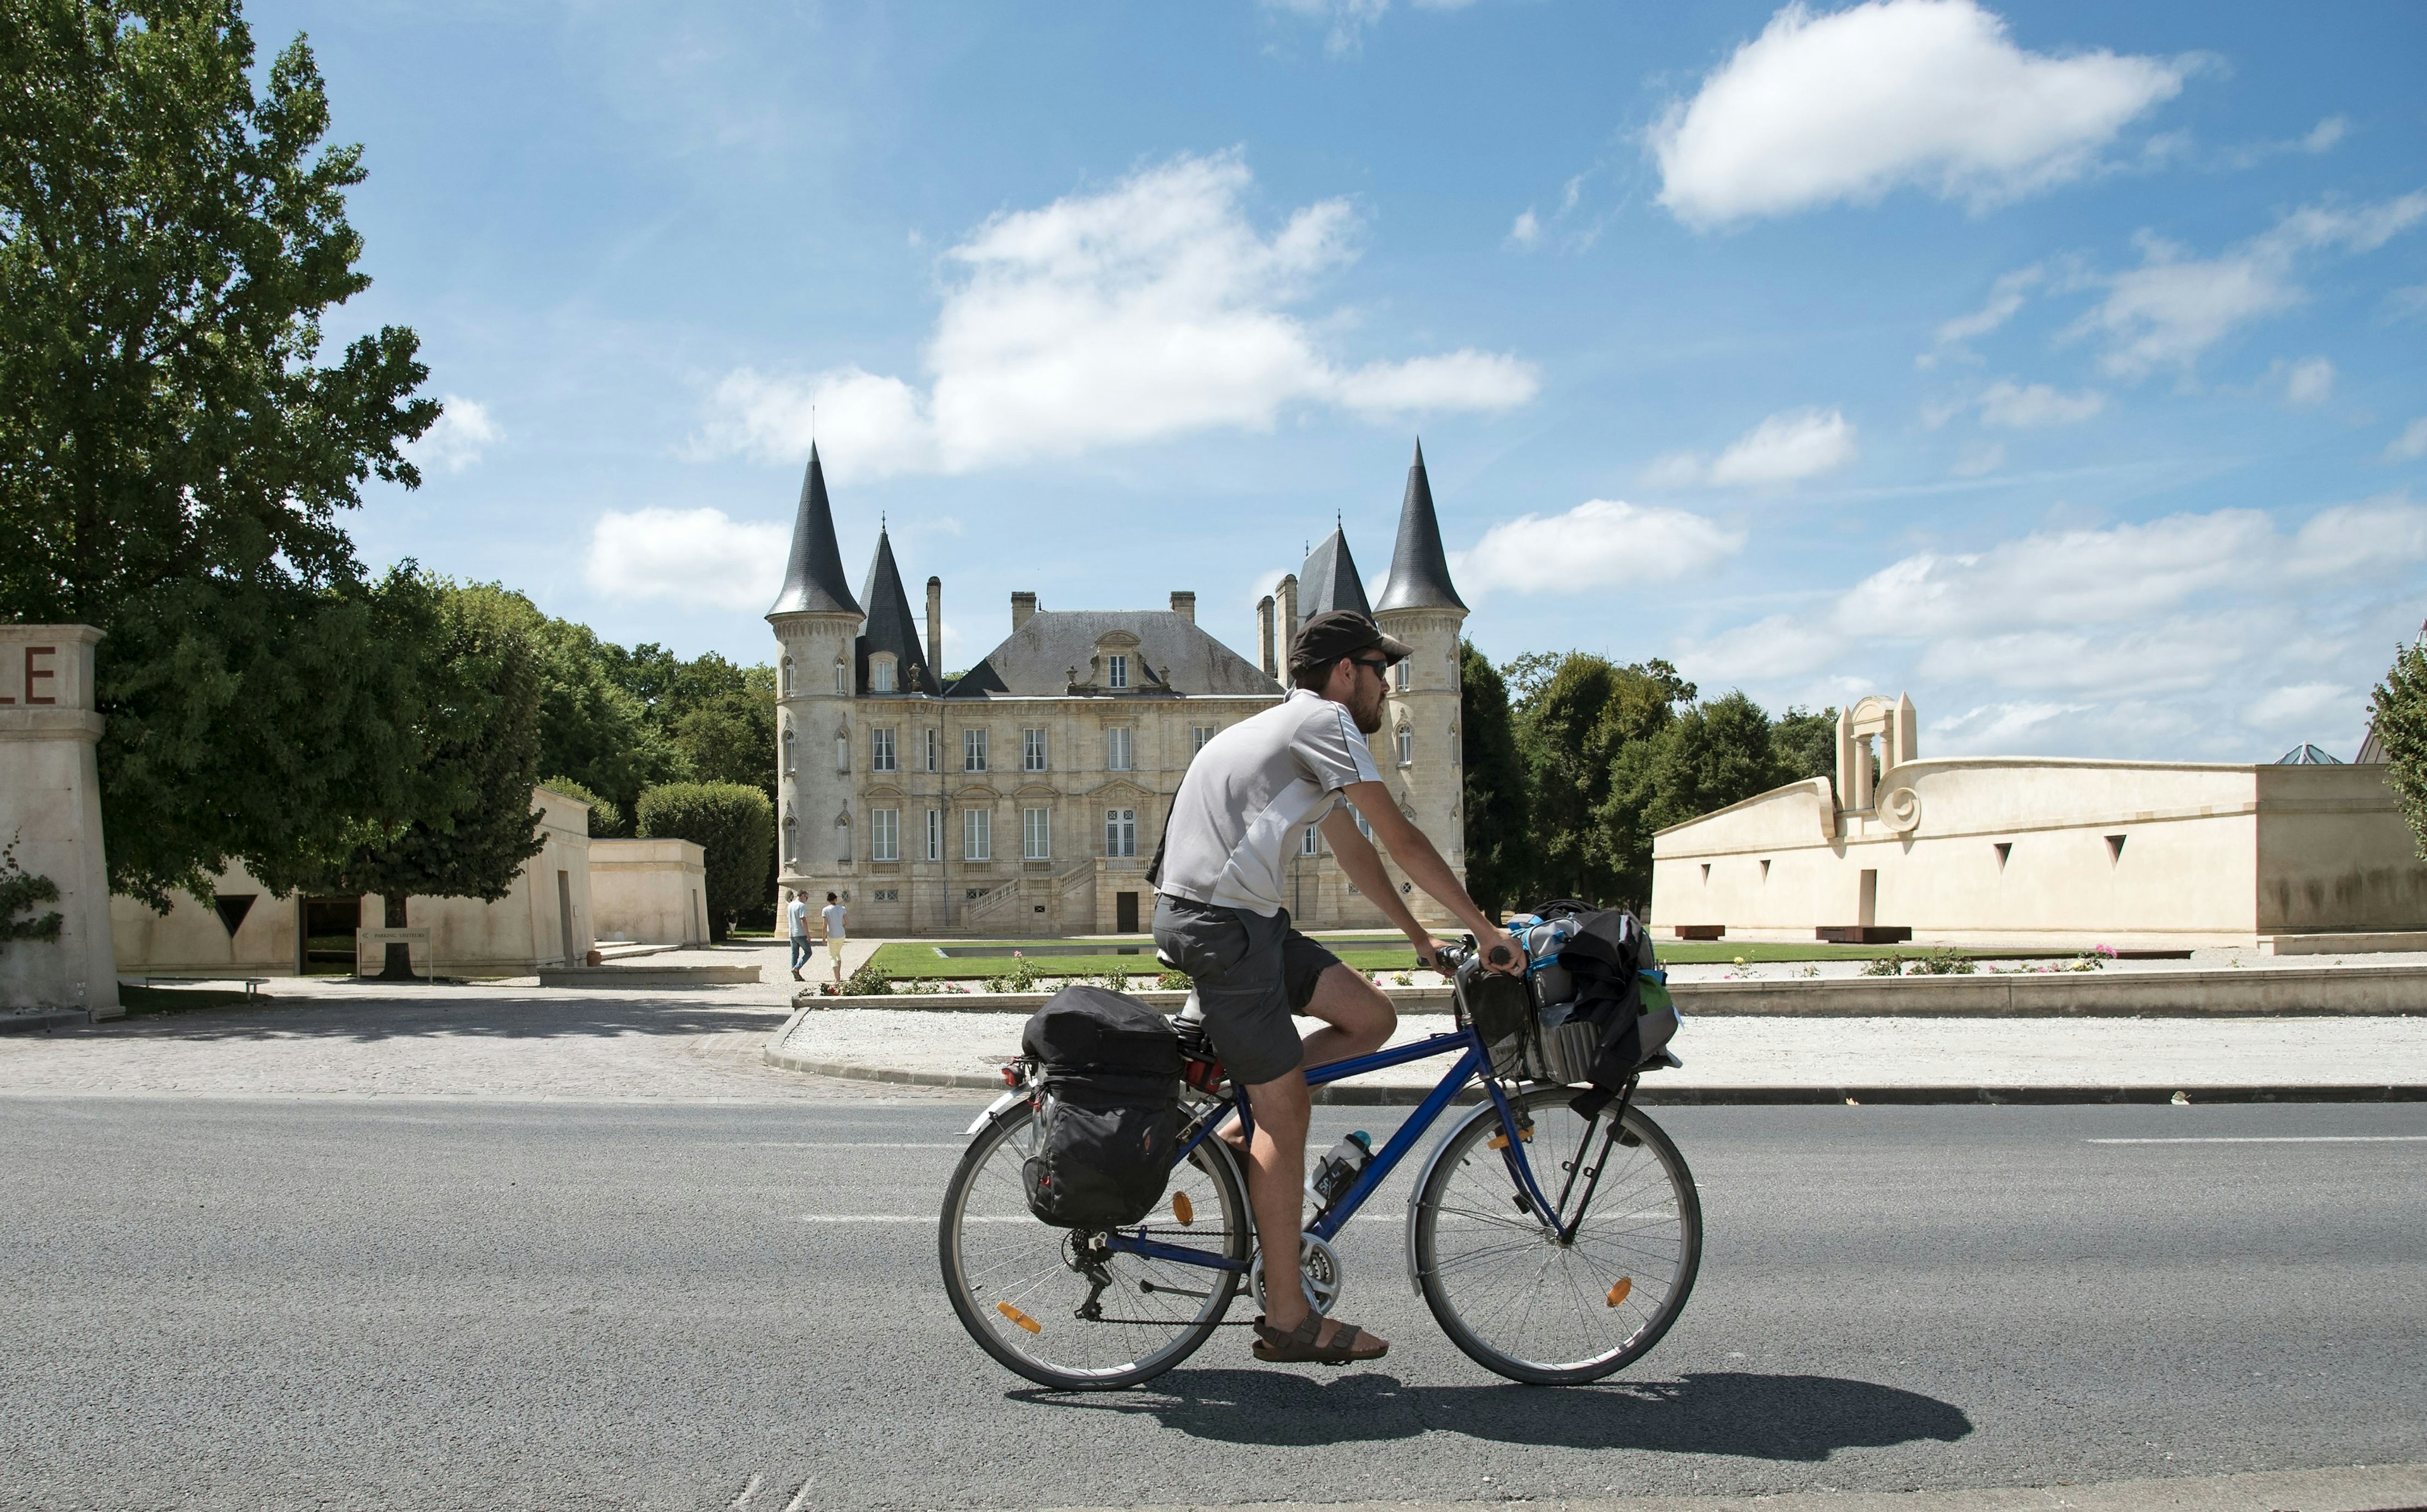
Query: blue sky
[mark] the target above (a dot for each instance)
(2061, 365)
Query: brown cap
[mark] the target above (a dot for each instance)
(1343, 632)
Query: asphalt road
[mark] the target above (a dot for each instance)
(353, 1302)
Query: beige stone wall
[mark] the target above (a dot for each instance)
(650, 892)
(513, 936)
(2053, 851)
(1430, 787)
(50, 812)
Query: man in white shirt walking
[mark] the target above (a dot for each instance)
(1218, 914)
(796, 916)
(832, 916)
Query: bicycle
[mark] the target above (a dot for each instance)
(1540, 1290)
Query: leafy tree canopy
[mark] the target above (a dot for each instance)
(173, 450)
(1496, 806)
(734, 823)
(2400, 707)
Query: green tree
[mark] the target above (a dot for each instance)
(722, 720)
(2400, 707)
(1576, 714)
(174, 452)
(593, 728)
(468, 824)
(1498, 814)
(1707, 757)
(734, 823)
(1804, 744)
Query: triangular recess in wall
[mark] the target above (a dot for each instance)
(2114, 848)
(232, 907)
(2005, 851)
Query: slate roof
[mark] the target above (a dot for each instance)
(813, 582)
(1419, 569)
(1038, 659)
(1329, 581)
(890, 625)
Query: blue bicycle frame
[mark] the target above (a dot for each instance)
(1472, 1059)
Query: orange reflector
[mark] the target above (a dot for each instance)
(1524, 1132)
(1616, 1293)
(1182, 1208)
(1034, 1326)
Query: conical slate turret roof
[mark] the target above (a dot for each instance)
(1329, 580)
(813, 583)
(891, 629)
(1419, 568)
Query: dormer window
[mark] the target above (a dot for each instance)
(880, 674)
(1117, 670)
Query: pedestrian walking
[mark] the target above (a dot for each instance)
(796, 915)
(832, 915)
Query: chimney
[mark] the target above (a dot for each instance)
(935, 629)
(1022, 606)
(1285, 630)
(1184, 605)
(1264, 635)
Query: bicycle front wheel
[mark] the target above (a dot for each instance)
(1504, 1288)
(1050, 1304)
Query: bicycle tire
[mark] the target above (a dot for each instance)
(1657, 1242)
(1031, 1262)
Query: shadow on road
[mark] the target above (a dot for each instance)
(1803, 1418)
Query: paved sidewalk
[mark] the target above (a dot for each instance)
(1764, 1059)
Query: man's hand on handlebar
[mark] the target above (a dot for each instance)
(1499, 952)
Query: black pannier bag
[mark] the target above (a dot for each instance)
(1109, 1108)
(1604, 961)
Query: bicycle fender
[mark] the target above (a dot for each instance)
(993, 1108)
(1424, 1174)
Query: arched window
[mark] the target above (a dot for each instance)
(842, 677)
(791, 837)
(880, 674)
(1406, 745)
(842, 750)
(1399, 675)
(789, 744)
(788, 677)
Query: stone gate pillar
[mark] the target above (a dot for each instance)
(50, 813)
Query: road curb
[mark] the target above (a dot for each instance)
(1653, 1095)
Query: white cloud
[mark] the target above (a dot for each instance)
(2378, 536)
(2411, 444)
(2296, 704)
(2006, 296)
(1150, 310)
(2025, 407)
(1992, 726)
(1979, 458)
(698, 558)
(1784, 448)
(2173, 307)
(1928, 93)
(2308, 382)
(2325, 134)
(1598, 543)
(1526, 231)
(1783, 645)
(463, 432)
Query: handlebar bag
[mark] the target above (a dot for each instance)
(1618, 989)
(1108, 1109)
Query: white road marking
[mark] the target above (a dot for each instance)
(801, 1497)
(744, 1499)
(2274, 1139)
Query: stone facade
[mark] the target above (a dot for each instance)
(1028, 795)
(2044, 851)
(50, 818)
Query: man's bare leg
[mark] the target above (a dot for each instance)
(1357, 1015)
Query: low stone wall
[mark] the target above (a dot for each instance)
(2268, 991)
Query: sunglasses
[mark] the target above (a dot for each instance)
(1382, 667)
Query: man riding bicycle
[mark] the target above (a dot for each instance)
(1218, 916)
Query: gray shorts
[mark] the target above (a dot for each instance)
(1251, 973)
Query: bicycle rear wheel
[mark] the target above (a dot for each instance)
(1518, 1301)
(1029, 1293)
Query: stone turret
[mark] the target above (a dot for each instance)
(816, 623)
(1420, 606)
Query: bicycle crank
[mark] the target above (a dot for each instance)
(1319, 1271)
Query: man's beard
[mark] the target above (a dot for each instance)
(1368, 714)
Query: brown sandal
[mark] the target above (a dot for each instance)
(1297, 1345)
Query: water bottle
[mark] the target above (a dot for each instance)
(1340, 1167)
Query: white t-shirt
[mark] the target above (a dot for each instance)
(799, 913)
(832, 914)
(1246, 793)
